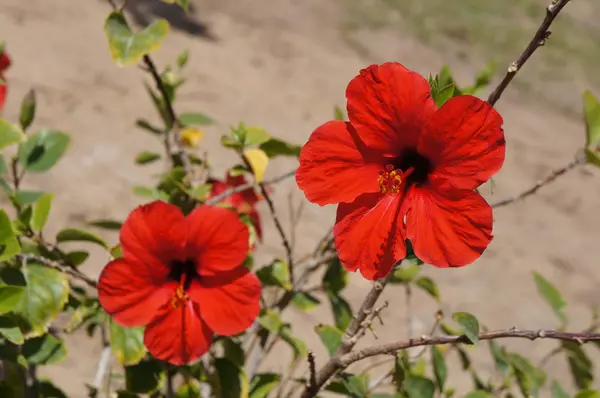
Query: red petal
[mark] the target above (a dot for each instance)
(4, 61)
(368, 234)
(178, 335)
(229, 301)
(128, 292)
(465, 141)
(388, 105)
(155, 234)
(333, 169)
(217, 240)
(2, 95)
(449, 229)
(255, 218)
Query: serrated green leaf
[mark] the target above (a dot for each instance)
(275, 147)
(127, 343)
(127, 47)
(195, 119)
(469, 325)
(145, 377)
(591, 111)
(419, 387)
(551, 295)
(262, 384)
(79, 235)
(440, 370)
(342, 312)
(40, 211)
(428, 285)
(10, 134)
(304, 301)
(10, 297)
(146, 157)
(43, 150)
(330, 336)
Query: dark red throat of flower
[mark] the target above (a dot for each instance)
(410, 168)
(183, 272)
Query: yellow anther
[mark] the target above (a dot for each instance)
(179, 298)
(390, 180)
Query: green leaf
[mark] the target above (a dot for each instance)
(43, 150)
(591, 111)
(439, 367)
(200, 192)
(500, 358)
(191, 389)
(46, 292)
(44, 350)
(233, 351)
(557, 391)
(146, 157)
(342, 312)
(551, 295)
(271, 321)
(479, 394)
(529, 378)
(76, 258)
(9, 329)
(49, 390)
(443, 94)
(275, 274)
(113, 225)
(9, 249)
(6, 228)
(10, 134)
(233, 382)
(10, 297)
(127, 343)
(356, 385)
(3, 167)
(336, 277)
(183, 57)
(304, 301)
(330, 336)
(405, 274)
(13, 383)
(195, 119)
(78, 235)
(275, 147)
(469, 324)
(298, 346)
(582, 368)
(262, 384)
(587, 394)
(338, 113)
(145, 125)
(255, 136)
(145, 377)
(428, 285)
(419, 387)
(27, 113)
(24, 198)
(127, 47)
(41, 209)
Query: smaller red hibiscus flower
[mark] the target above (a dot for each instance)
(181, 277)
(4, 64)
(244, 202)
(403, 169)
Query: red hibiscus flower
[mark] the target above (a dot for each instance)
(403, 169)
(4, 64)
(244, 202)
(181, 277)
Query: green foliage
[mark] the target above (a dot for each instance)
(330, 336)
(43, 150)
(10, 134)
(469, 324)
(551, 295)
(127, 343)
(79, 235)
(27, 113)
(591, 111)
(275, 274)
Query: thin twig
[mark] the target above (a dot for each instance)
(538, 40)
(59, 267)
(391, 348)
(542, 183)
(312, 369)
(350, 338)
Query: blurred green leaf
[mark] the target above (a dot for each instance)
(145, 125)
(79, 235)
(9, 245)
(77, 257)
(41, 209)
(419, 387)
(591, 111)
(336, 277)
(428, 285)
(195, 119)
(44, 350)
(190, 389)
(145, 377)
(357, 386)
(262, 384)
(200, 192)
(439, 367)
(3, 167)
(24, 198)
(233, 351)
(255, 136)
(275, 147)
(27, 112)
(9, 329)
(298, 346)
(10, 297)
(48, 390)
(127, 343)
(304, 301)
(342, 312)
(270, 321)
(275, 274)
(113, 225)
(13, 383)
(479, 394)
(587, 394)
(233, 382)
(338, 113)
(557, 391)
(183, 57)
(501, 361)
(405, 274)
(43, 150)
(580, 365)
(551, 295)
(10, 134)
(127, 47)
(330, 336)
(528, 377)
(469, 324)
(146, 157)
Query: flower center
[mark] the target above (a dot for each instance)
(390, 180)
(183, 272)
(410, 168)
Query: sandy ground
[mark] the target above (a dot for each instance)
(283, 65)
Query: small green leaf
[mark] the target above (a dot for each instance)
(297, 345)
(558, 391)
(200, 192)
(183, 57)
(439, 367)
(443, 94)
(24, 198)
(330, 336)
(357, 386)
(77, 257)
(500, 358)
(342, 312)
(127, 343)
(10, 134)
(428, 285)
(233, 382)
(10, 297)
(405, 274)
(78, 235)
(304, 301)
(262, 384)
(255, 136)
(275, 147)
(479, 394)
(233, 351)
(43, 150)
(270, 321)
(127, 47)
(41, 209)
(587, 394)
(113, 225)
(146, 157)
(3, 167)
(145, 125)
(591, 111)
(338, 113)
(27, 113)
(195, 119)
(336, 277)
(6, 228)
(145, 377)
(44, 350)
(582, 368)
(419, 387)
(469, 324)
(551, 295)
(275, 274)
(9, 329)
(528, 377)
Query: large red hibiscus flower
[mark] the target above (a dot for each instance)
(181, 277)
(4, 64)
(403, 169)
(244, 201)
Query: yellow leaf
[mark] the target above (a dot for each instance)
(259, 161)
(191, 137)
